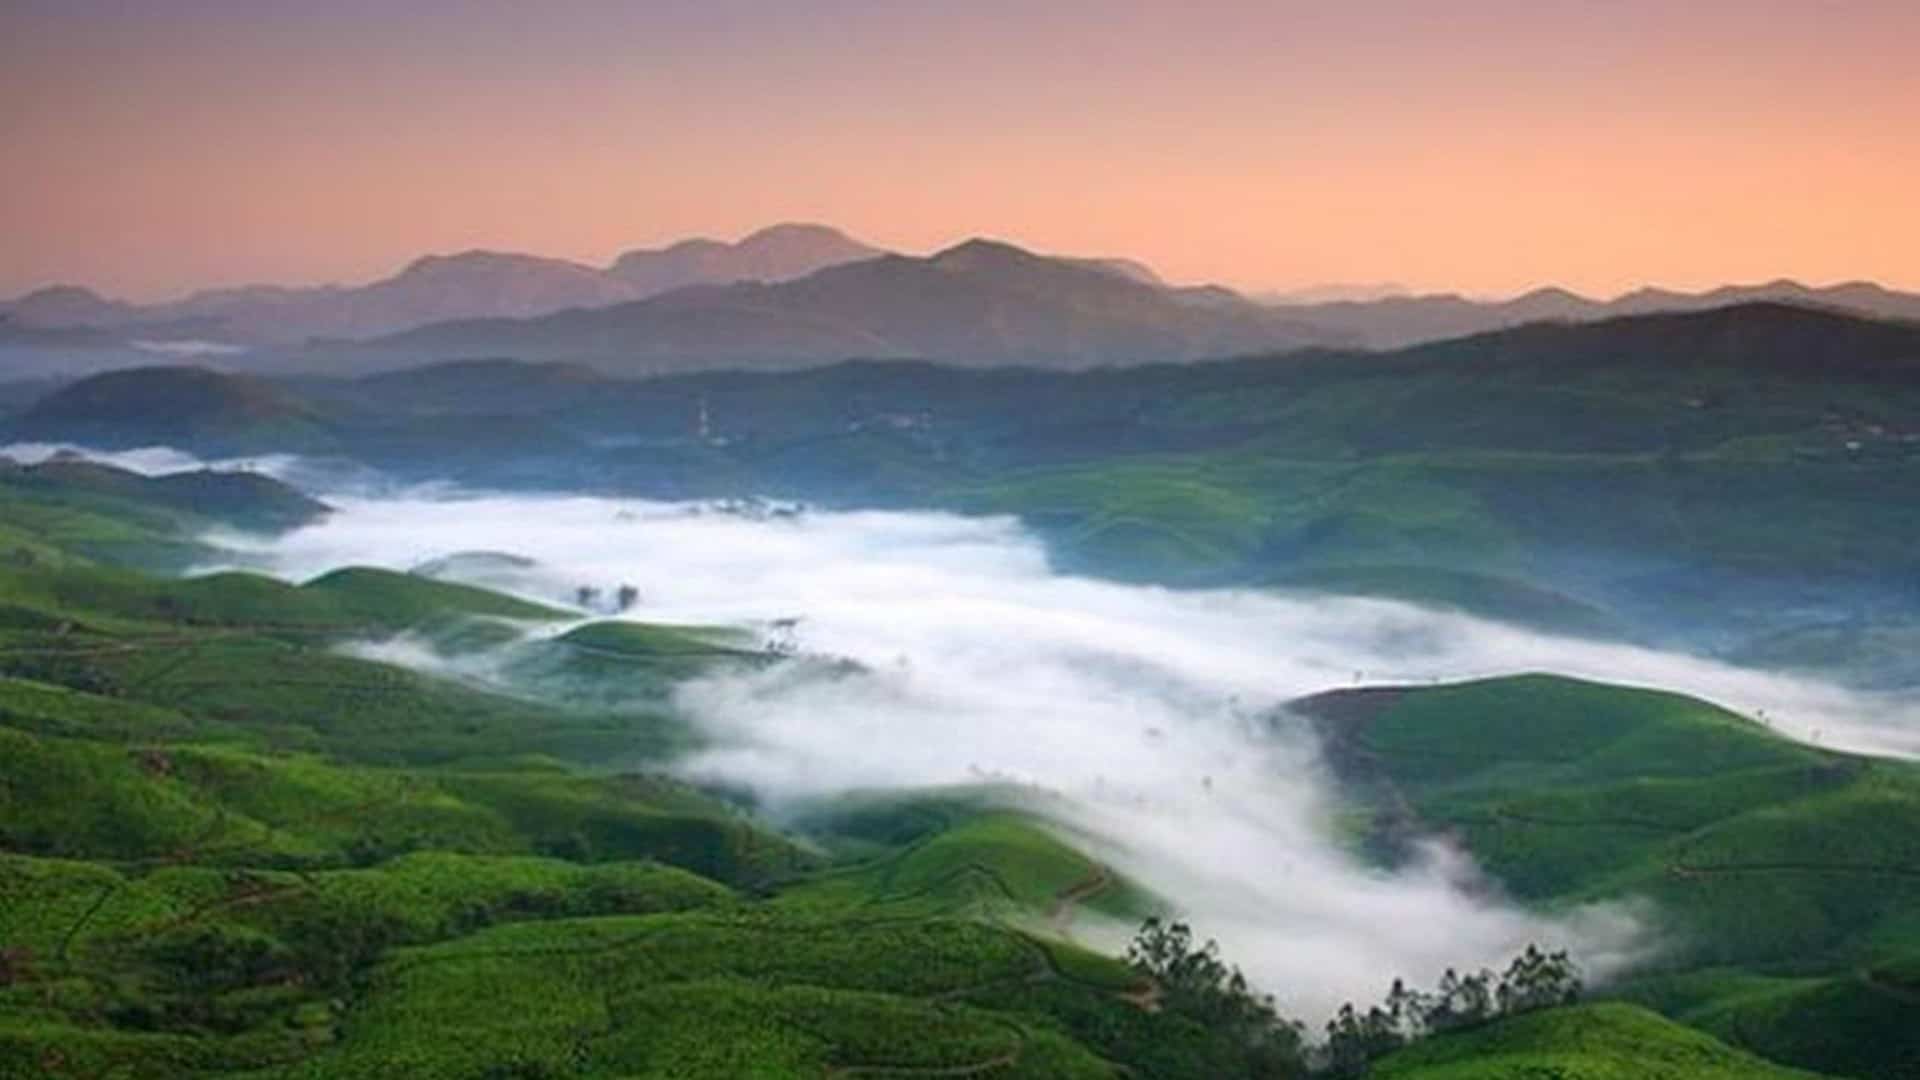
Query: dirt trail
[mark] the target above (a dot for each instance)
(1060, 916)
(978, 1068)
(1685, 870)
(1883, 985)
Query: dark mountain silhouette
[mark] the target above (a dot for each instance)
(246, 499)
(65, 306)
(476, 387)
(436, 288)
(207, 411)
(980, 302)
(1407, 320)
(777, 253)
(429, 289)
(482, 292)
(1132, 269)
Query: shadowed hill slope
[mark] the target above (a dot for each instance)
(209, 411)
(1736, 480)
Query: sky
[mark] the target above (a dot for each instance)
(1484, 147)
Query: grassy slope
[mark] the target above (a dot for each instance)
(1602, 467)
(1591, 467)
(1569, 791)
(193, 898)
(226, 847)
(207, 412)
(1593, 1042)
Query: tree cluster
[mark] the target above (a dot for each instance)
(1533, 980)
(1192, 981)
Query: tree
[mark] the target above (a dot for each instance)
(1195, 983)
(1537, 980)
(1354, 1039)
(1459, 1001)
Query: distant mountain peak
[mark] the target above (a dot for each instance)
(68, 305)
(482, 260)
(186, 406)
(691, 243)
(63, 292)
(1551, 294)
(779, 252)
(979, 253)
(789, 231)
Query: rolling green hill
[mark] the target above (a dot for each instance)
(75, 510)
(1717, 478)
(230, 844)
(1776, 870)
(1594, 1042)
(227, 848)
(194, 409)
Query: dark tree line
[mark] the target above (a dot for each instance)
(1194, 982)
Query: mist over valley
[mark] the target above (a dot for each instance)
(874, 541)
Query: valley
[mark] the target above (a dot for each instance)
(296, 778)
(1113, 540)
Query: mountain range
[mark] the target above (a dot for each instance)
(981, 302)
(795, 295)
(1512, 468)
(437, 288)
(1391, 321)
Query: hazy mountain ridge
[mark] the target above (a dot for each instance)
(979, 302)
(776, 253)
(703, 303)
(1393, 321)
(439, 288)
(1000, 304)
(1507, 470)
(174, 405)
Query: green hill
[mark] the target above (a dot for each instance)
(196, 409)
(238, 499)
(1724, 477)
(1776, 870)
(1592, 1042)
(67, 509)
(228, 848)
(388, 598)
(1711, 476)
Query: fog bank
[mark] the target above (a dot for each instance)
(1143, 712)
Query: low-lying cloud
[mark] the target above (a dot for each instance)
(147, 460)
(1142, 712)
(313, 474)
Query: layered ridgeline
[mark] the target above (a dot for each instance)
(979, 301)
(234, 843)
(1735, 480)
(431, 289)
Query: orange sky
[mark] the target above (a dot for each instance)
(1485, 147)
